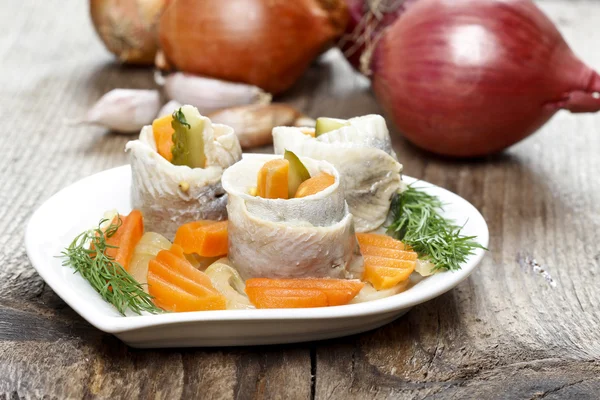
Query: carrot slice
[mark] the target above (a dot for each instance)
(177, 286)
(314, 185)
(383, 273)
(179, 280)
(378, 240)
(387, 261)
(299, 293)
(389, 253)
(126, 238)
(163, 136)
(170, 297)
(205, 238)
(384, 277)
(272, 182)
(175, 260)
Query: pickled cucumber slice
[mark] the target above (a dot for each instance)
(297, 172)
(188, 138)
(325, 125)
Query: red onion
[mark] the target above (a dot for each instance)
(468, 77)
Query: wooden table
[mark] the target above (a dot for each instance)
(507, 332)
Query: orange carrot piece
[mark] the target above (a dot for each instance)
(384, 273)
(384, 277)
(178, 286)
(298, 293)
(368, 250)
(175, 259)
(314, 185)
(170, 297)
(272, 181)
(126, 238)
(390, 262)
(387, 260)
(308, 131)
(378, 240)
(163, 136)
(179, 280)
(205, 238)
(286, 298)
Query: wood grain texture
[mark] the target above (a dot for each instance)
(507, 332)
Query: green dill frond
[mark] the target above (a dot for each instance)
(87, 256)
(418, 223)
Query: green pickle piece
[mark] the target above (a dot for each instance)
(297, 172)
(325, 125)
(188, 138)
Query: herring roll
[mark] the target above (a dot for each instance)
(360, 149)
(180, 181)
(307, 235)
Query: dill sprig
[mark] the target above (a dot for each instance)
(87, 256)
(417, 222)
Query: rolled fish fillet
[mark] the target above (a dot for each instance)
(312, 236)
(170, 195)
(362, 152)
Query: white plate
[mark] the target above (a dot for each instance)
(81, 205)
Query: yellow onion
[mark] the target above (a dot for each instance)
(128, 27)
(268, 44)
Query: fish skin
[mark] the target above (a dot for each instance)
(297, 238)
(156, 183)
(363, 155)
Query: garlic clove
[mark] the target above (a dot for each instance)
(125, 110)
(169, 108)
(253, 124)
(208, 94)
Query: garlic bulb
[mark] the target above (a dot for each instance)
(125, 110)
(208, 94)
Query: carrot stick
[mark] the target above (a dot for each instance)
(126, 238)
(272, 181)
(163, 136)
(300, 293)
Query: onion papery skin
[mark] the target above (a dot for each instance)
(468, 78)
(268, 44)
(128, 28)
(358, 31)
